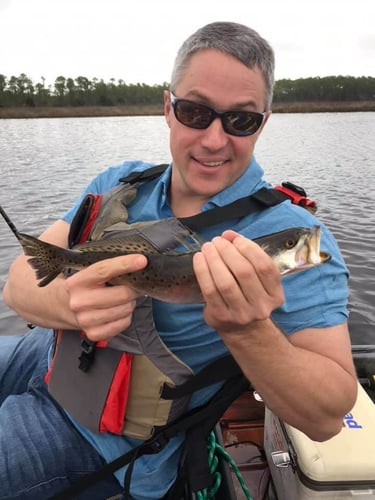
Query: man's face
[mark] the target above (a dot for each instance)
(207, 161)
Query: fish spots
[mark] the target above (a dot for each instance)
(117, 246)
(169, 275)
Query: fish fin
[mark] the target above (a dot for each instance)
(43, 271)
(47, 260)
(50, 277)
(191, 243)
(168, 234)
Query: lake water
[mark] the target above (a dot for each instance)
(45, 163)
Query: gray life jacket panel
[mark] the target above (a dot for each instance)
(118, 384)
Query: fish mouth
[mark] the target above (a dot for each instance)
(309, 254)
(324, 257)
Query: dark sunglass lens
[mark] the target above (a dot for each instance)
(243, 122)
(193, 115)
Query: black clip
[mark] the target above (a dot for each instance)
(86, 358)
(297, 189)
(155, 444)
(297, 195)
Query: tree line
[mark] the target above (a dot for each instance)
(82, 91)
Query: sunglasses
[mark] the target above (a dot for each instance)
(200, 116)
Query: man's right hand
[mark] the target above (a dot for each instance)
(103, 311)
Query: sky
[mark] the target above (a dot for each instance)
(136, 40)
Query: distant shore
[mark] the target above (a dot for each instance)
(152, 110)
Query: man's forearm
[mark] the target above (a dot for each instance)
(304, 388)
(47, 306)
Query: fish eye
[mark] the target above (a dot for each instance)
(289, 244)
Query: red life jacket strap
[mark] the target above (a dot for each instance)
(57, 339)
(113, 416)
(297, 195)
(84, 219)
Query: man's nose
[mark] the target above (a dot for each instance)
(214, 137)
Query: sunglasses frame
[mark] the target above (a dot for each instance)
(222, 115)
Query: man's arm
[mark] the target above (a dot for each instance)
(47, 306)
(82, 301)
(308, 378)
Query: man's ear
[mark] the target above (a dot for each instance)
(265, 120)
(167, 106)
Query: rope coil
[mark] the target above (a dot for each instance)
(215, 449)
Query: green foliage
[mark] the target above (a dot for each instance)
(329, 88)
(81, 91)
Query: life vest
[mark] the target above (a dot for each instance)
(133, 384)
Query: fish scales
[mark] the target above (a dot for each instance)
(125, 245)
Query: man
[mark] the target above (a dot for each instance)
(290, 338)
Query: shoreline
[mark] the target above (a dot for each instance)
(157, 110)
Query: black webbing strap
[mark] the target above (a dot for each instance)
(146, 448)
(145, 175)
(264, 198)
(195, 453)
(205, 417)
(221, 369)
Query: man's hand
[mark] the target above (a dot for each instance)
(103, 311)
(240, 283)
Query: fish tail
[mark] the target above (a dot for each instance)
(47, 260)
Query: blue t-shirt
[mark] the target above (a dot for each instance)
(317, 298)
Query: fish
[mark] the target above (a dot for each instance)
(168, 275)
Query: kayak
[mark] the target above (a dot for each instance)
(262, 458)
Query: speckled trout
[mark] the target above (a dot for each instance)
(169, 274)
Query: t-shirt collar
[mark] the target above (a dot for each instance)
(249, 182)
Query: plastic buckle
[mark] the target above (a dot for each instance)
(156, 444)
(86, 358)
(297, 195)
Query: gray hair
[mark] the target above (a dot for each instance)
(235, 39)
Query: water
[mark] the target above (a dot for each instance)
(45, 163)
